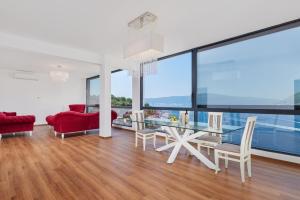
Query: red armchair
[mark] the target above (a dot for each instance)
(71, 122)
(11, 123)
(77, 107)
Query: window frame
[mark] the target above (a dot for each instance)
(235, 109)
(168, 108)
(87, 89)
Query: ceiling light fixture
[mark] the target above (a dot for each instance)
(144, 46)
(58, 75)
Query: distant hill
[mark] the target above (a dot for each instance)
(172, 101)
(214, 99)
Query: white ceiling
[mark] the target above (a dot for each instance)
(100, 26)
(14, 59)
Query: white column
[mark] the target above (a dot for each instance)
(136, 92)
(105, 101)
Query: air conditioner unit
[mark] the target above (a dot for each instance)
(25, 75)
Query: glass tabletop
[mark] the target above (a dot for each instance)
(198, 126)
(122, 122)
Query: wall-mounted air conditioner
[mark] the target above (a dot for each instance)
(25, 75)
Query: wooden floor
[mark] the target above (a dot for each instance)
(90, 167)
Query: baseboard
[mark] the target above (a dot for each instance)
(276, 156)
(41, 125)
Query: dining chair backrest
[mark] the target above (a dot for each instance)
(215, 120)
(137, 118)
(246, 141)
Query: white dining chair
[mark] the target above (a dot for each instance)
(241, 154)
(140, 131)
(210, 140)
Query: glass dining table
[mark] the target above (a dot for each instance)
(182, 135)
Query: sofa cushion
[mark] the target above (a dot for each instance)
(70, 121)
(10, 124)
(10, 113)
(17, 119)
(77, 107)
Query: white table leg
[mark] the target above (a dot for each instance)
(174, 152)
(183, 141)
(199, 155)
(165, 147)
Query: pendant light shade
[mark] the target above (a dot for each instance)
(59, 76)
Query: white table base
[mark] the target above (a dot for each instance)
(182, 141)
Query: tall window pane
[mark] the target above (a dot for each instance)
(171, 86)
(121, 92)
(121, 88)
(262, 72)
(93, 91)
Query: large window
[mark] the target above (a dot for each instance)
(121, 89)
(261, 73)
(171, 86)
(92, 90)
(121, 92)
(257, 73)
(254, 74)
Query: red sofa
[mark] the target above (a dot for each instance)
(73, 107)
(70, 122)
(11, 123)
(77, 107)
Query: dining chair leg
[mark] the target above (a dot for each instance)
(226, 161)
(136, 139)
(166, 140)
(242, 167)
(208, 151)
(217, 161)
(249, 166)
(144, 143)
(154, 141)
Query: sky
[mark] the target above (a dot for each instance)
(173, 78)
(121, 84)
(263, 67)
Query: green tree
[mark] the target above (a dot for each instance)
(120, 101)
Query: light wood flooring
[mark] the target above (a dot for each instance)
(90, 167)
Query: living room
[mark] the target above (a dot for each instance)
(149, 100)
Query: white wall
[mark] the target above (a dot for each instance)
(40, 98)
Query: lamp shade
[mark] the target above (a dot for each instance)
(148, 46)
(59, 76)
